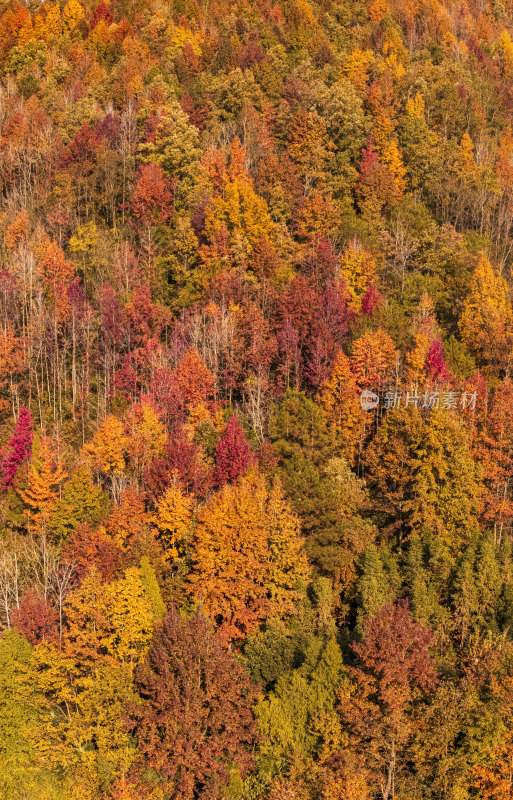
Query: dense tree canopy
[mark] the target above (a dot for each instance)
(256, 440)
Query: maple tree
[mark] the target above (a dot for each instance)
(376, 186)
(35, 619)
(152, 200)
(87, 548)
(436, 366)
(191, 384)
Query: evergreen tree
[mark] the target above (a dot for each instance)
(151, 588)
(298, 720)
(80, 502)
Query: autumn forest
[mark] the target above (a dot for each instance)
(256, 400)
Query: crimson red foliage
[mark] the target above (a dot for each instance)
(35, 619)
(233, 453)
(19, 447)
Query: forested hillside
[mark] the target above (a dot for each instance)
(226, 574)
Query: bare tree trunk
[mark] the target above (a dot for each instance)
(388, 791)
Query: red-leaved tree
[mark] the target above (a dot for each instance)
(233, 453)
(395, 675)
(35, 619)
(19, 447)
(195, 722)
(436, 365)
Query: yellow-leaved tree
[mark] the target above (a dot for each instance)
(83, 686)
(82, 693)
(72, 14)
(248, 561)
(129, 612)
(358, 268)
(486, 320)
(107, 453)
(236, 218)
(173, 518)
(146, 435)
(374, 360)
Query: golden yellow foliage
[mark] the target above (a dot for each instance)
(466, 155)
(129, 612)
(357, 67)
(416, 360)
(506, 50)
(358, 268)
(173, 518)
(415, 107)
(247, 556)
(17, 230)
(486, 320)
(72, 13)
(108, 448)
(391, 157)
(378, 9)
(374, 359)
(146, 436)
(339, 398)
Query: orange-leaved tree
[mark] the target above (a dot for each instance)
(45, 475)
(339, 398)
(374, 359)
